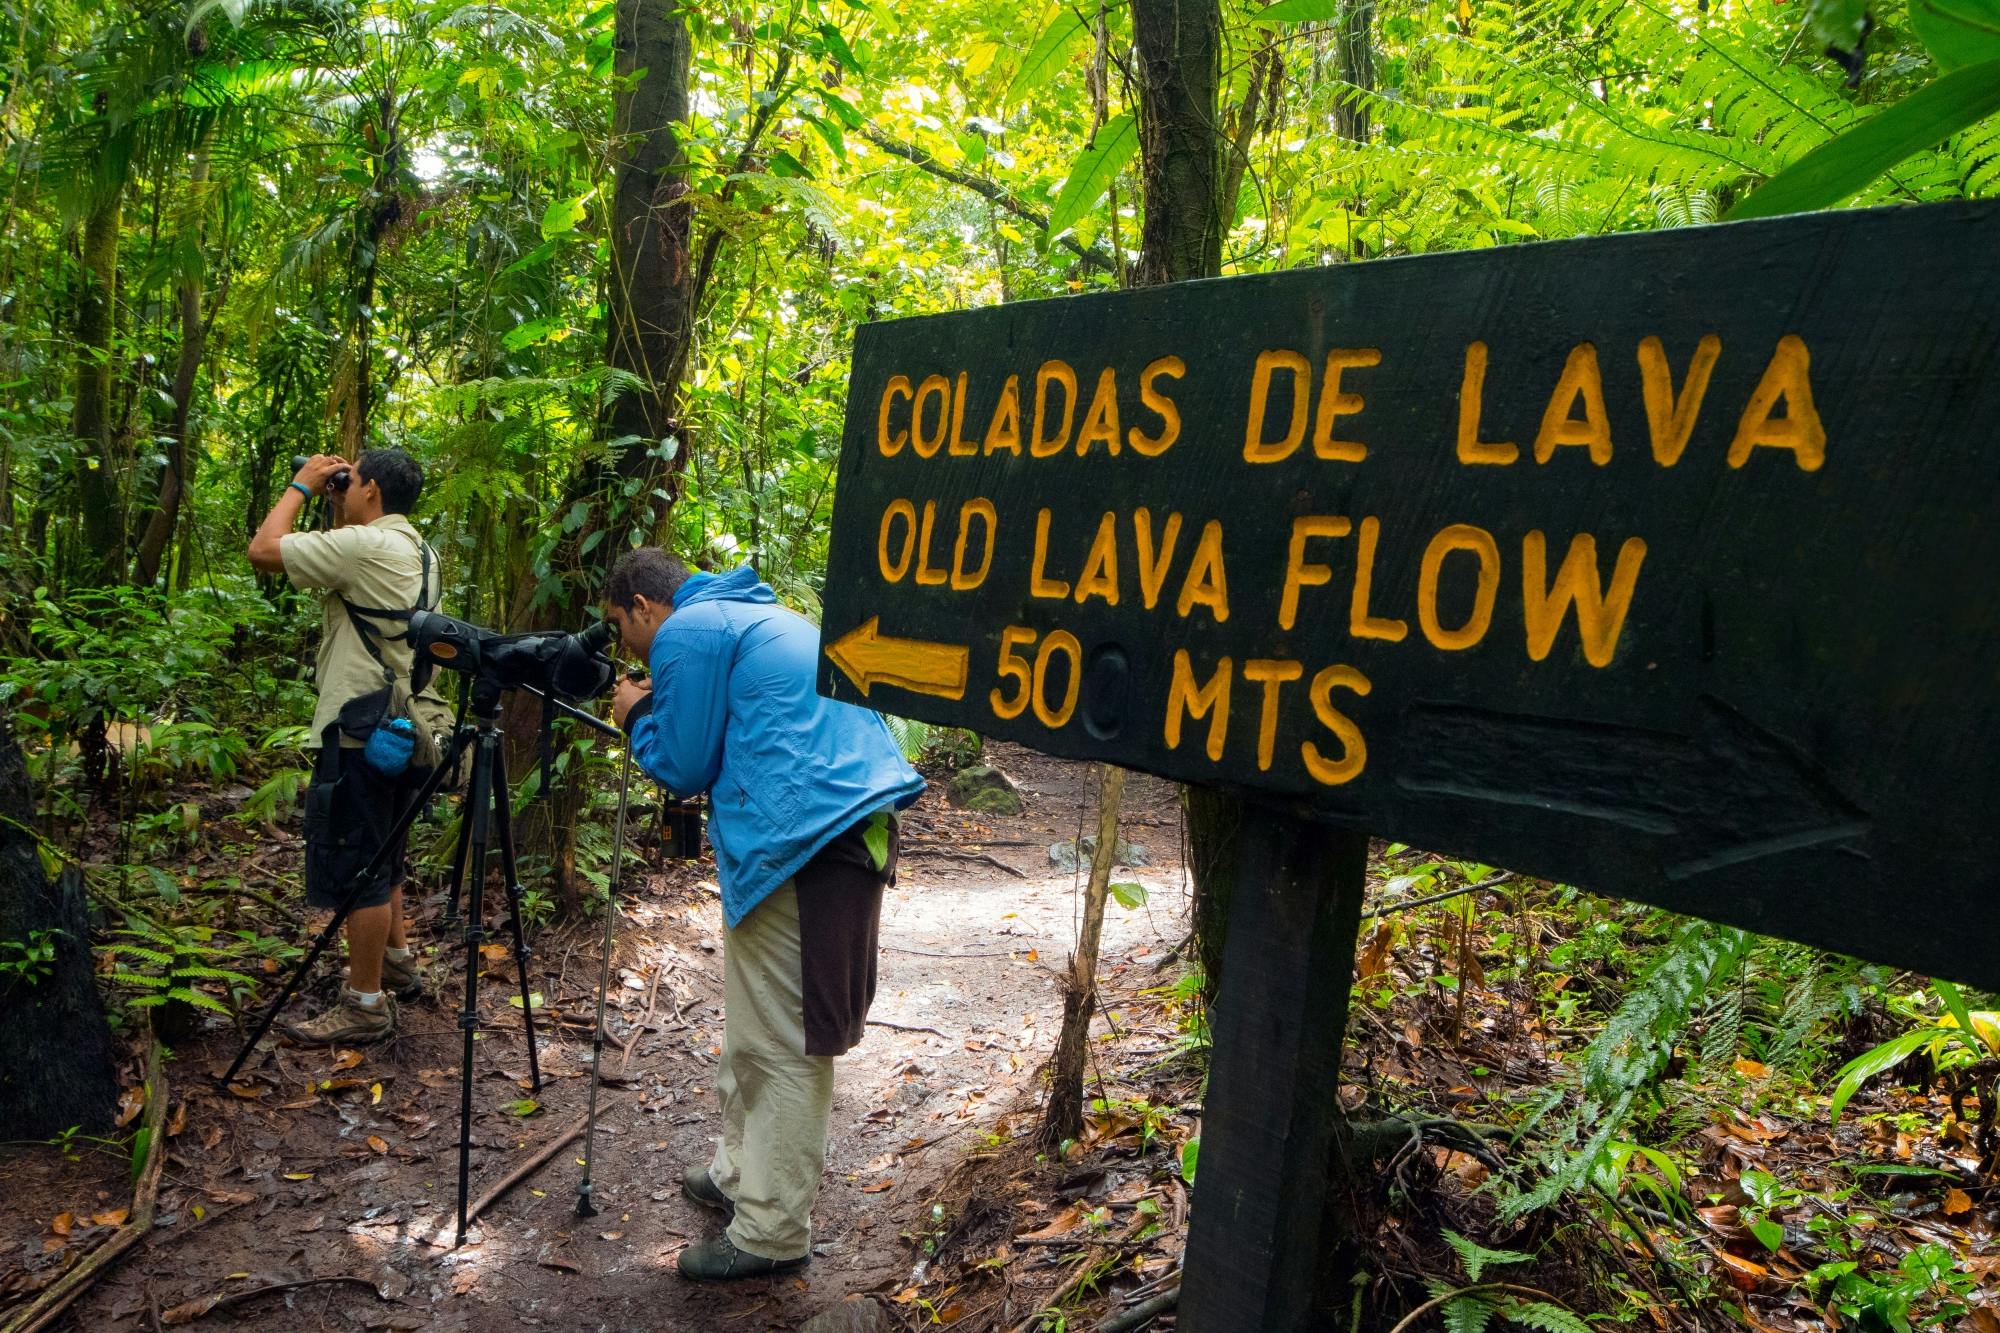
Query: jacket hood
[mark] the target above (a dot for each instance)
(738, 585)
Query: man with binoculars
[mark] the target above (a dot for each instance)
(374, 569)
(804, 793)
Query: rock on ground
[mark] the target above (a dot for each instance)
(985, 789)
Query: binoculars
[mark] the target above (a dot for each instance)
(337, 482)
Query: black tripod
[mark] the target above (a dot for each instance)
(485, 811)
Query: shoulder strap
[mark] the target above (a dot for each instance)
(360, 616)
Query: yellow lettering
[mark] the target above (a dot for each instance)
(1334, 404)
(1058, 640)
(1299, 573)
(893, 570)
(1153, 572)
(982, 509)
(1152, 446)
(891, 445)
(1015, 668)
(1354, 749)
(1043, 445)
(1271, 673)
(926, 576)
(1359, 623)
(1671, 417)
(1101, 421)
(1210, 701)
(1800, 429)
(1038, 584)
(960, 448)
(1100, 567)
(1599, 615)
(1004, 431)
(1580, 379)
(1207, 582)
(928, 445)
(1459, 537)
(1257, 449)
(1471, 391)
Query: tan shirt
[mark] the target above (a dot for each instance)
(374, 564)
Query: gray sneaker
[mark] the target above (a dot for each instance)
(699, 1186)
(402, 978)
(718, 1260)
(348, 1023)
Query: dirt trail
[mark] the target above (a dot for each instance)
(965, 1015)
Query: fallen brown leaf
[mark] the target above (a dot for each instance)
(1956, 1201)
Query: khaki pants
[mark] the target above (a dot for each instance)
(776, 1099)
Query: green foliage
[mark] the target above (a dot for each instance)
(1096, 168)
(1477, 1257)
(1842, 166)
(1474, 1307)
(29, 962)
(1622, 1063)
(1958, 1041)
(160, 963)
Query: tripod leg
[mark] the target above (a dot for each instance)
(584, 1206)
(404, 820)
(458, 868)
(503, 819)
(478, 808)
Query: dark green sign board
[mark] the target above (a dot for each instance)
(1664, 565)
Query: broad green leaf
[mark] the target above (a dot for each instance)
(532, 332)
(1846, 163)
(838, 48)
(562, 215)
(1958, 33)
(1095, 168)
(1870, 1063)
(1768, 1233)
(1044, 57)
(1297, 11)
(1129, 893)
(1190, 1158)
(980, 58)
(1954, 1004)
(141, 1142)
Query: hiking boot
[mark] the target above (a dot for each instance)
(402, 978)
(718, 1260)
(348, 1023)
(699, 1186)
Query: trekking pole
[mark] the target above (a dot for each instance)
(584, 1207)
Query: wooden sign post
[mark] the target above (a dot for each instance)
(1663, 565)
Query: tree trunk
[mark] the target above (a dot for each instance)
(55, 1051)
(648, 307)
(1063, 1118)
(1179, 45)
(103, 546)
(649, 324)
(173, 477)
(1357, 67)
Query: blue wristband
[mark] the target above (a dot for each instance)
(302, 490)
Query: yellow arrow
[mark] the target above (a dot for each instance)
(870, 658)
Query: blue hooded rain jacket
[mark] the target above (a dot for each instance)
(734, 712)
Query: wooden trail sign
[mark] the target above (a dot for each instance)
(1662, 565)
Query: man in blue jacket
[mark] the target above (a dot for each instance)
(803, 799)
